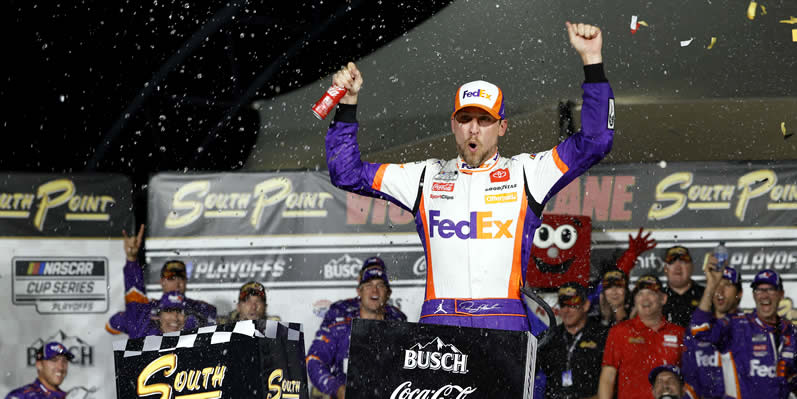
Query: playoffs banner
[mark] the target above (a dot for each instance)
(246, 360)
(391, 359)
(61, 260)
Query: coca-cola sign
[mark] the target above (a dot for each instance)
(406, 391)
(415, 361)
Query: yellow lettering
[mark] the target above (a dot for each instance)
(281, 185)
(61, 185)
(275, 375)
(175, 219)
(218, 376)
(205, 374)
(193, 380)
(657, 211)
(179, 381)
(766, 177)
(167, 362)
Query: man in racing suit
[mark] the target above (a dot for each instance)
(476, 214)
(701, 364)
(757, 348)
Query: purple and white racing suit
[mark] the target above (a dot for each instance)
(477, 224)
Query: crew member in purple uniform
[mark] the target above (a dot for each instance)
(52, 364)
(328, 355)
(173, 278)
(476, 214)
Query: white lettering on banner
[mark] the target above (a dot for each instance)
(760, 370)
(419, 267)
(748, 187)
(195, 199)
(778, 260)
(242, 269)
(453, 361)
(345, 267)
(404, 391)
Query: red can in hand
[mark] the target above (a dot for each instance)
(328, 101)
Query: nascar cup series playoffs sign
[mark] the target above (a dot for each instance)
(397, 360)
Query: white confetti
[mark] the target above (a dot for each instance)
(685, 43)
(633, 22)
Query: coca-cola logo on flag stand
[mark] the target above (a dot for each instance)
(412, 360)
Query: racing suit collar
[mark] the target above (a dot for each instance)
(485, 166)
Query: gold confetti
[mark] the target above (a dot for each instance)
(711, 45)
(783, 130)
(794, 35)
(643, 23)
(751, 10)
(763, 10)
(792, 21)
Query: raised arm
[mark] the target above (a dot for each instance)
(704, 326)
(550, 171)
(393, 182)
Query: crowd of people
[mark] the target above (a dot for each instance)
(655, 340)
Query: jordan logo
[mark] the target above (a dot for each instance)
(440, 308)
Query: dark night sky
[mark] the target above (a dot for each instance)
(143, 87)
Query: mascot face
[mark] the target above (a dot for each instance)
(561, 251)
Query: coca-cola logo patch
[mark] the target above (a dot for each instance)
(499, 175)
(443, 187)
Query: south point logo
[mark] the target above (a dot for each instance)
(436, 355)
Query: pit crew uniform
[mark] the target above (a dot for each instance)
(702, 368)
(757, 359)
(476, 224)
(35, 390)
(199, 313)
(328, 356)
(350, 308)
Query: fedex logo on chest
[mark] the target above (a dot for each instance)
(480, 225)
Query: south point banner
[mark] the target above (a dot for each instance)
(61, 263)
(306, 240)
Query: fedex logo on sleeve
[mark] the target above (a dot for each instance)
(476, 93)
(480, 225)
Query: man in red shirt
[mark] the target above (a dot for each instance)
(637, 346)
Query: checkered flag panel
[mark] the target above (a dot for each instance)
(210, 335)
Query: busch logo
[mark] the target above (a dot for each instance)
(759, 370)
(465, 229)
(707, 359)
(404, 391)
(83, 351)
(345, 267)
(476, 93)
(451, 360)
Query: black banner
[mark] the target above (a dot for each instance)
(242, 360)
(391, 359)
(57, 205)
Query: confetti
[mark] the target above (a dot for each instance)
(685, 43)
(792, 21)
(763, 10)
(751, 10)
(634, 25)
(711, 45)
(783, 130)
(794, 35)
(643, 23)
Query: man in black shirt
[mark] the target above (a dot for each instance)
(683, 293)
(571, 361)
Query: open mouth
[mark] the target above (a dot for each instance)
(560, 268)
